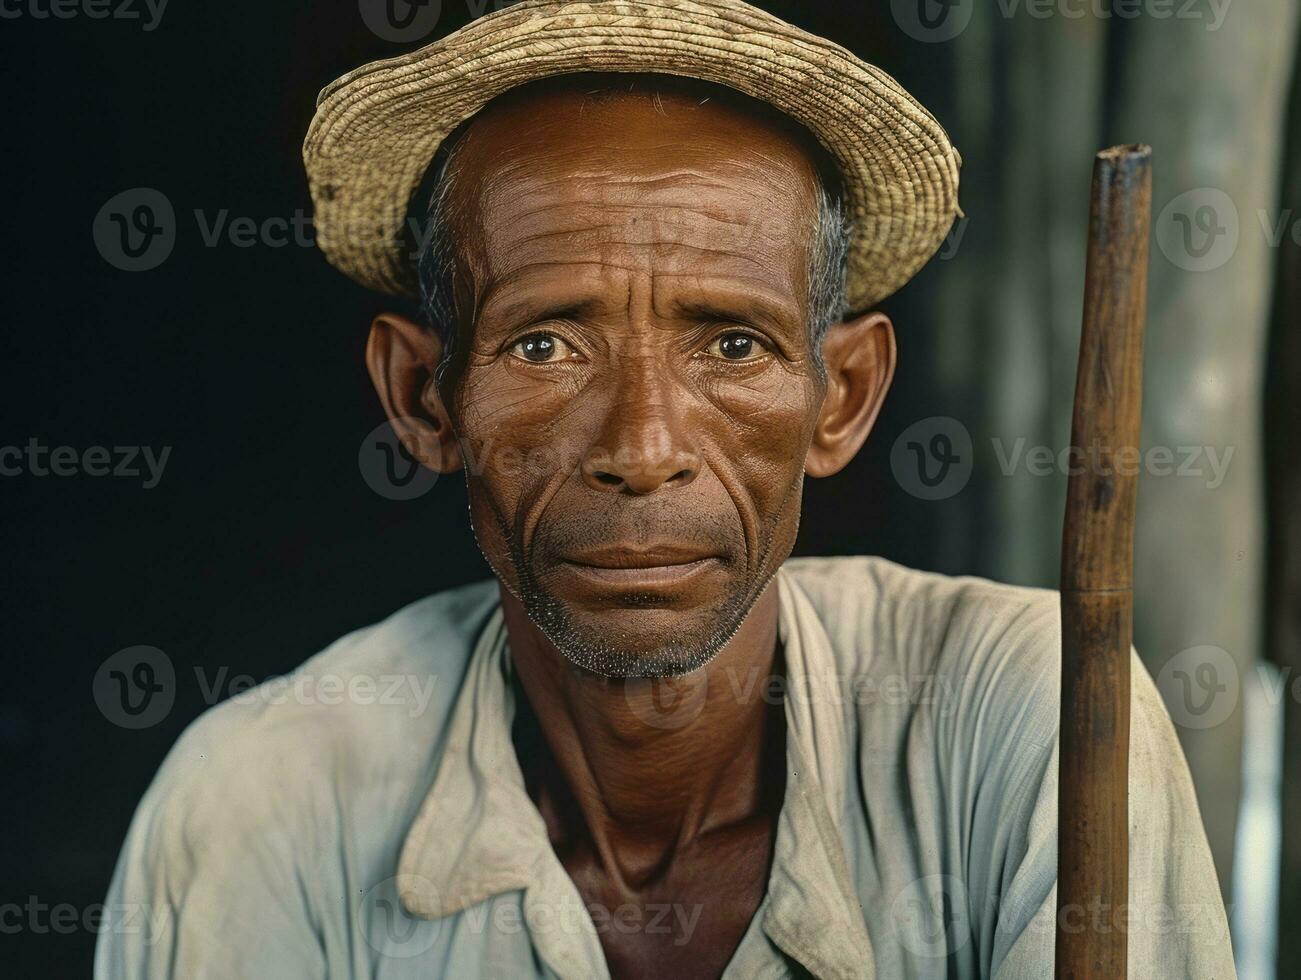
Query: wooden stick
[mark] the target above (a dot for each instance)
(1097, 576)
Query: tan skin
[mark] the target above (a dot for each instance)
(612, 254)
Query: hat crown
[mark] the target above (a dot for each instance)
(377, 128)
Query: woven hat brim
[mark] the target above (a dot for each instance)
(377, 128)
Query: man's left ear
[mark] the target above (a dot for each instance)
(859, 355)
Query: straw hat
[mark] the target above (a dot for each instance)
(377, 128)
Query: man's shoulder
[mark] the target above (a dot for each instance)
(361, 720)
(963, 665)
(969, 666)
(874, 610)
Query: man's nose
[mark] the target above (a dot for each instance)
(646, 442)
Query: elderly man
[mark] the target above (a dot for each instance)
(654, 747)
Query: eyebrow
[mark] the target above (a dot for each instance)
(512, 303)
(737, 305)
(530, 313)
(518, 302)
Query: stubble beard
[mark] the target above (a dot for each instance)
(599, 651)
(597, 648)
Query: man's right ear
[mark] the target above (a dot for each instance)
(401, 356)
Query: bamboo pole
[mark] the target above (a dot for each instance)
(1097, 576)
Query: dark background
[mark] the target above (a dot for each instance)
(261, 543)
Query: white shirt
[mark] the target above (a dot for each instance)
(367, 817)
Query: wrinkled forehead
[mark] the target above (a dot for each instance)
(673, 182)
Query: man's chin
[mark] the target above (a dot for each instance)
(635, 640)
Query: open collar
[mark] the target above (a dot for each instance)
(478, 834)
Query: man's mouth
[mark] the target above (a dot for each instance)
(641, 568)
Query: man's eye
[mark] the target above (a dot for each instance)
(539, 348)
(737, 346)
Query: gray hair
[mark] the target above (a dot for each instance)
(436, 252)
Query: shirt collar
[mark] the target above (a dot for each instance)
(478, 834)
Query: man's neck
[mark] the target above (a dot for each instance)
(649, 766)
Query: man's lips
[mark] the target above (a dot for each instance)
(642, 568)
(626, 556)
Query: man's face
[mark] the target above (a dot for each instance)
(638, 394)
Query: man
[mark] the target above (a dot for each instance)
(654, 747)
